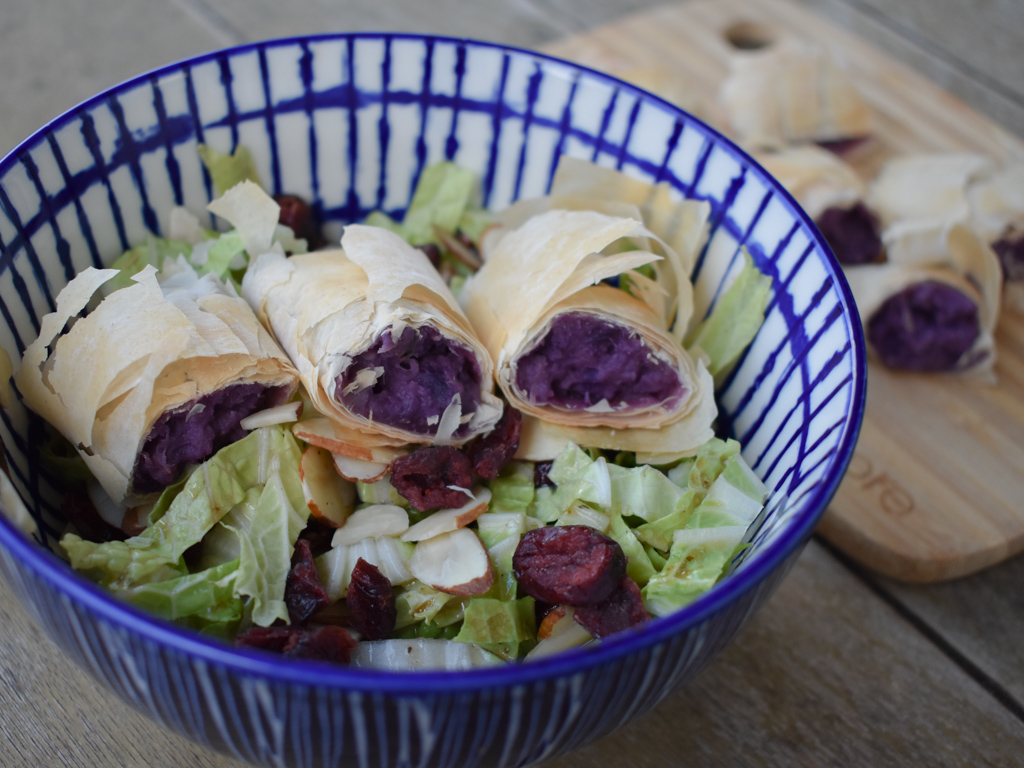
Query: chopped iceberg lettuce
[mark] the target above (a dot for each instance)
(440, 200)
(153, 252)
(207, 495)
(695, 563)
(506, 629)
(734, 320)
(474, 222)
(638, 563)
(643, 492)
(228, 170)
(658, 533)
(387, 553)
(513, 490)
(736, 497)
(221, 254)
(194, 594)
(500, 533)
(380, 492)
(267, 525)
(420, 604)
(709, 464)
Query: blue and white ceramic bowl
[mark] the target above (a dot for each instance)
(349, 121)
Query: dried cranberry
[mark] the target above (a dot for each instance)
(303, 593)
(335, 614)
(323, 643)
(318, 534)
(491, 452)
(299, 215)
(81, 513)
(622, 609)
(540, 475)
(571, 564)
(424, 476)
(272, 639)
(432, 252)
(371, 601)
(332, 644)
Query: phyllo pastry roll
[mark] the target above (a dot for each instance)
(592, 360)
(919, 198)
(997, 215)
(792, 90)
(381, 344)
(938, 316)
(155, 378)
(832, 194)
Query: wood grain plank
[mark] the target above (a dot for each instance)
(980, 617)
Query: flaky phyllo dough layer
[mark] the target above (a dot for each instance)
(327, 307)
(105, 381)
(551, 259)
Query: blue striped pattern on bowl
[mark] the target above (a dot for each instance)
(349, 122)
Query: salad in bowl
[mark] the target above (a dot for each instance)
(457, 439)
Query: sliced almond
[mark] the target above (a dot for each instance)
(112, 512)
(134, 522)
(454, 562)
(358, 470)
(324, 433)
(548, 623)
(279, 414)
(329, 496)
(372, 522)
(564, 634)
(446, 520)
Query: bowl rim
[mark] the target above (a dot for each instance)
(288, 671)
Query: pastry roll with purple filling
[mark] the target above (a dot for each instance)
(936, 317)
(997, 215)
(919, 198)
(153, 379)
(381, 345)
(584, 360)
(792, 90)
(832, 194)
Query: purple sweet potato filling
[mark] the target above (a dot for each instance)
(852, 233)
(1010, 250)
(583, 359)
(423, 371)
(178, 439)
(925, 327)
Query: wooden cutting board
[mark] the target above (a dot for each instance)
(936, 486)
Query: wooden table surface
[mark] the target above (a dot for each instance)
(841, 668)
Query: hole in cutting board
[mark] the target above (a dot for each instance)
(750, 35)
